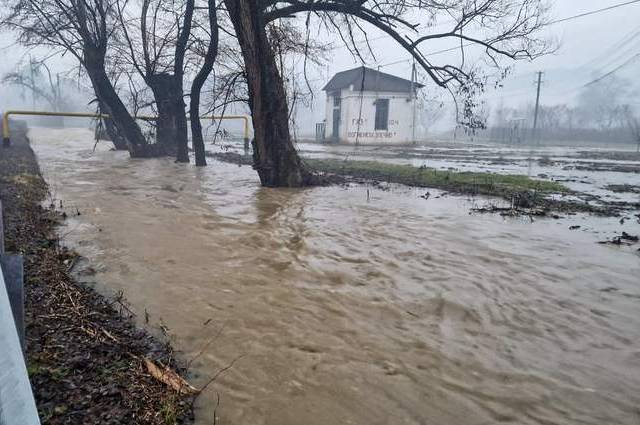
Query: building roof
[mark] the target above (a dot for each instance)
(370, 80)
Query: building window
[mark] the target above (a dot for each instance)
(337, 100)
(382, 114)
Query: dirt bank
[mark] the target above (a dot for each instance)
(85, 357)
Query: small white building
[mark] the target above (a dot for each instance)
(369, 107)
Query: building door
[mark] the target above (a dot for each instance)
(337, 109)
(382, 114)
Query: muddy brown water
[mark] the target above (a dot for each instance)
(343, 308)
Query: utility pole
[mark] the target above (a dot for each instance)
(535, 117)
(58, 93)
(33, 81)
(413, 101)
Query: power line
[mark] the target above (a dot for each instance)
(553, 22)
(613, 71)
(592, 82)
(628, 38)
(557, 21)
(617, 57)
(602, 77)
(594, 12)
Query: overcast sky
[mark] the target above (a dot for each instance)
(589, 47)
(581, 41)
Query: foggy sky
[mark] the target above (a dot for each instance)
(585, 52)
(581, 42)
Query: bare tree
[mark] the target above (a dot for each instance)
(209, 57)
(107, 125)
(502, 28)
(432, 109)
(633, 122)
(291, 49)
(295, 51)
(156, 39)
(42, 85)
(84, 29)
(600, 103)
(274, 155)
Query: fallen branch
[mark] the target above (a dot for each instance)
(169, 377)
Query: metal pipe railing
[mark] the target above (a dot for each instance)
(6, 134)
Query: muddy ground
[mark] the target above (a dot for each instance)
(85, 357)
(602, 180)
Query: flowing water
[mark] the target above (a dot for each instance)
(358, 305)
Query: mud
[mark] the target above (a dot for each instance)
(625, 239)
(359, 304)
(590, 174)
(624, 188)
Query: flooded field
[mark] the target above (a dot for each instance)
(588, 170)
(356, 305)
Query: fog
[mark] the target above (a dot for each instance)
(465, 256)
(588, 48)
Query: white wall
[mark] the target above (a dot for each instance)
(400, 118)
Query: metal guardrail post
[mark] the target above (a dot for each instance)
(1, 230)
(12, 270)
(246, 135)
(13, 273)
(17, 406)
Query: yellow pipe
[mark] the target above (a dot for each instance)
(6, 140)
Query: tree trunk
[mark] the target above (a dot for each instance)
(172, 133)
(274, 155)
(106, 93)
(197, 139)
(110, 128)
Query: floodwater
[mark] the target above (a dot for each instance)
(358, 305)
(587, 170)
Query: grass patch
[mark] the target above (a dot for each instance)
(461, 182)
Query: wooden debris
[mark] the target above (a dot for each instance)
(169, 377)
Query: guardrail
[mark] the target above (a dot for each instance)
(6, 134)
(17, 405)
(1, 230)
